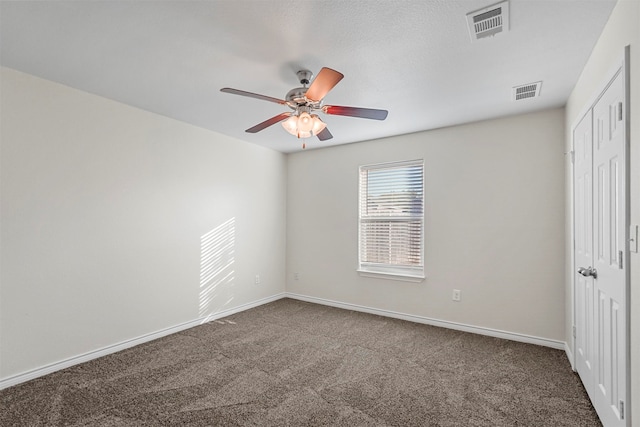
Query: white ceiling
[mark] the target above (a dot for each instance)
(414, 58)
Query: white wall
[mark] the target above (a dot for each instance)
(103, 210)
(494, 204)
(622, 29)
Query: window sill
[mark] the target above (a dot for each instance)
(402, 277)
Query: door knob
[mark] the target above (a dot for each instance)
(588, 272)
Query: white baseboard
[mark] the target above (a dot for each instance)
(513, 336)
(66, 363)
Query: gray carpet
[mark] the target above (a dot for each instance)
(291, 363)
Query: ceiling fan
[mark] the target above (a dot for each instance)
(305, 101)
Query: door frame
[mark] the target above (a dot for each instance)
(621, 66)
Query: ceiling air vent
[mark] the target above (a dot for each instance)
(530, 90)
(489, 21)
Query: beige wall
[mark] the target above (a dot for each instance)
(494, 204)
(622, 29)
(103, 210)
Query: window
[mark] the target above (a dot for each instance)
(392, 219)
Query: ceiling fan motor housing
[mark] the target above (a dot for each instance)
(296, 98)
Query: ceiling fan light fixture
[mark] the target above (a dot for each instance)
(304, 125)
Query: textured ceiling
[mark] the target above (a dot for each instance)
(413, 58)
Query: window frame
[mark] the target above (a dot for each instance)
(394, 272)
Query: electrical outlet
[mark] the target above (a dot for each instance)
(257, 279)
(296, 276)
(456, 295)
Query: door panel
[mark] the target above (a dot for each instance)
(583, 223)
(610, 285)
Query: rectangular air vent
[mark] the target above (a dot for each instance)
(530, 90)
(489, 21)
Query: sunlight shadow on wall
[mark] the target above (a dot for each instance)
(217, 255)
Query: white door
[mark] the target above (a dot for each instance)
(600, 251)
(583, 249)
(609, 244)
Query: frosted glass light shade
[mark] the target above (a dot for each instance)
(291, 125)
(318, 125)
(305, 123)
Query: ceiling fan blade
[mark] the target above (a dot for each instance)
(365, 113)
(324, 135)
(252, 95)
(323, 83)
(272, 121)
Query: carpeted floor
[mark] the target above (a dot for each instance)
(291, 363)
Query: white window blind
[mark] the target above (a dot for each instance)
(392, 218)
